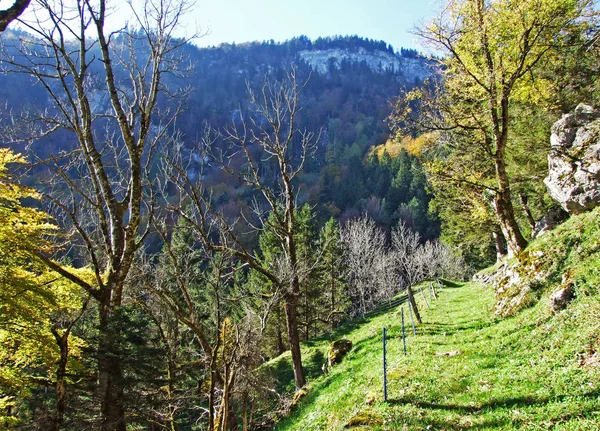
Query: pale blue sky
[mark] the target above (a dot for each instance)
(248, 20)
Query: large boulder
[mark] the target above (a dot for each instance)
(574, 161)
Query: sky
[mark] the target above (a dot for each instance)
(228, 21)
(257, 20)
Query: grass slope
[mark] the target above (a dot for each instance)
(467, 368)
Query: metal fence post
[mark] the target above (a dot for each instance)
(384, 367)
(403, 332)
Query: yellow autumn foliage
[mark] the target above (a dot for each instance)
(32, 298)
(414, 146)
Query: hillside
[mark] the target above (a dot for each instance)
(348, 83)
(468, 368)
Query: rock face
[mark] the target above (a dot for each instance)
(561, 298)
(410, 68)
(574, 161)
(337, 350)
(553, 218)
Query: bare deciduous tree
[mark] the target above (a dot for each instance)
(405, 245)
(365, 256)
(271, 132)
(105, 88)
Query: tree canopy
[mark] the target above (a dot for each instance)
(493, 52)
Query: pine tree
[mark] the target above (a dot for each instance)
(332, 275)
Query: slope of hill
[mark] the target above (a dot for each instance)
(348, 83)
(468, 368)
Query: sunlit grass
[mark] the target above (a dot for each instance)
(465, 369)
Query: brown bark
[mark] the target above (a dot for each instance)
(333, 321)
(500, 247)
(291, 309)
(504, 209)
(413, 303)
(110, 372)
(280, 346)
(61, 371)
(502, 200)
(12, 13)
(527, 211)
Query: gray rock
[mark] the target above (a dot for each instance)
(553, 218)
(561, 298)
(574, 161)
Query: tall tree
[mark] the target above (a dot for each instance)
(269, 132)
(364, 245)
(39, 308)
(332, 274)
(103, 191)
(493, 50)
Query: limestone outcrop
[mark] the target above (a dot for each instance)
(574, 161)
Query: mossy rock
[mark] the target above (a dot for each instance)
(337, 350)
(364, 419)
(298, 395)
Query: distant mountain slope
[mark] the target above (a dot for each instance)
(349, 84)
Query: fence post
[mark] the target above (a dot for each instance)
(384, 367)
(412, 321)
(403, 332)
(425, 298)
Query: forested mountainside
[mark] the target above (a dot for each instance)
(349, 85)
(174, 260)
(182, 225)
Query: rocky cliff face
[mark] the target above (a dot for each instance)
(410, 68)
(574, 161)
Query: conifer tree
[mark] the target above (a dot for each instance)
(332, 275)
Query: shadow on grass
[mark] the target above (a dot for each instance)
(449, 426)
(583, 410)
(511, 402)
(451, 284)
(452, 328)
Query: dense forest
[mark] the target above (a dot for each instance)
(348, 106)
(172, 218)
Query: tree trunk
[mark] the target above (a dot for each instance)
(332, 323)
(61, 371)
(280, 346)
(291, 310)
(291, 299)
(171, 392)
(508, 223)
(110, 369)
(111, 376)
(504, 209)
(413, 303)
(500, 246)
(502, 200)
(527, 211)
